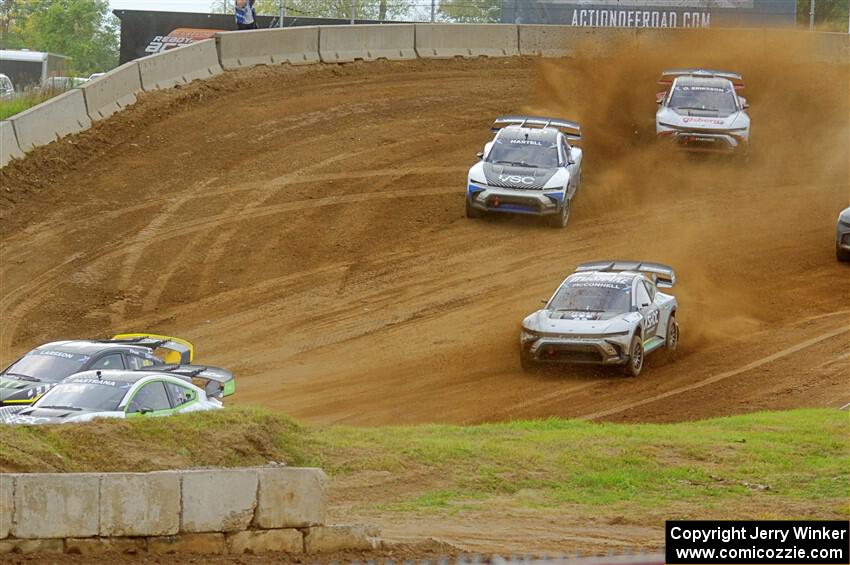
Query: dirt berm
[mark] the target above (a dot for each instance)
(304, 227)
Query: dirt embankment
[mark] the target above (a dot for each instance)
(305, 227)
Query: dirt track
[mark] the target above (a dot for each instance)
(305, 228)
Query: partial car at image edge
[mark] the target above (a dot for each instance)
(161, 391)
(842, 237)
(34, 373)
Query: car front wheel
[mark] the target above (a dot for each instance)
(636, 357)
(472, 212)
(842, 255)
(561, 219)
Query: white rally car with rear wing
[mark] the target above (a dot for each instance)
(530, 167)
(700, 110)
(607, 313)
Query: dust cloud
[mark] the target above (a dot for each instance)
(799, 111)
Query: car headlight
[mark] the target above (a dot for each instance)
(478, 181)
(527, 335)
(666, 125)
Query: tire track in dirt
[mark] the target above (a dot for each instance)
(720, 376)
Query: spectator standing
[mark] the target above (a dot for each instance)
(246, 17)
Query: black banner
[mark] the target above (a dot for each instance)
(758, 542)
(652, 13)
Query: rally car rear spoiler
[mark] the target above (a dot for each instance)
(571, 130)
(177, 350)
(215, 381)
(663, 275)
(669, 75)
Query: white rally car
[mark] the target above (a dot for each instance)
(700, 110)
(530, 167)
(606, 313)
(126, 394)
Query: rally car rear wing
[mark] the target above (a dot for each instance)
(177, 350)
(662, 275)
(215, 381)
(669, 75)
(571, 130)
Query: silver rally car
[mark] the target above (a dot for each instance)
(702, 111)
(607, 312)
(529, 167)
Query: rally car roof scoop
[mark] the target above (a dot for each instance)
(570, 129)
(177, 350)
(662, 275)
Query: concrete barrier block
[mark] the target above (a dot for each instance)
(51, 120)
(182, 65)
(265, 541)
(140, 504)
(571, 41)
(291, 497)
(7, 503)
(444, 41)
(221, 500)
(339, 44)
(211, 543)
(293, 45)
(99, 546)
(113, 91)
(32, 546)
(56, 505)
(323, 539)
(9, 148)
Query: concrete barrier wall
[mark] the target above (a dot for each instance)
(51, 120)
(293, 45)
(567, 41)
(112, 92)
(203, 511)
(179, 66)
(9, 149)
(444, 41)
(339, 44)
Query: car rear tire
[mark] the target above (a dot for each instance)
(636, 357)
(561, 219)
(472, 212)
(841, 255)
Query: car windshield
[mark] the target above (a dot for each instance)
(708, 98)
(524, 152)
(85, 394)
(46, 365)
(589, 295)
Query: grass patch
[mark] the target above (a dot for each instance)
(10, 107)
(758, 465)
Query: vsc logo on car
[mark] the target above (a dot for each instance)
(516, 179)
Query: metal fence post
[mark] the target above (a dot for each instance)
(811, 15)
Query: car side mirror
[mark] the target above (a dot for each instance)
(480, 154)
